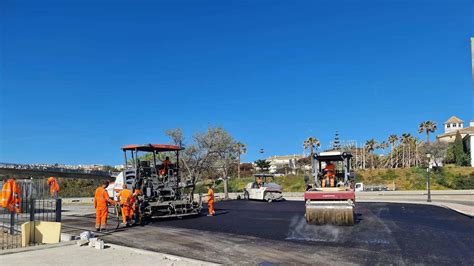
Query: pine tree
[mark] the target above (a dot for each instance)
(459, 155)
(337, 142)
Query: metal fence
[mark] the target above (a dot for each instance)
(36, 205)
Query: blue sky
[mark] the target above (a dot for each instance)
(80, 79)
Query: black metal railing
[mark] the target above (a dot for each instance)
(36, 205)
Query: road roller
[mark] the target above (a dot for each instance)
(331, 198)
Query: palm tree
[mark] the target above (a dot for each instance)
(370, 146)
(382, 146)
(415, 142)
(411, 140)
(392, 139)
(405, 139)
(311, 143)
(240, 148)
(427, 127)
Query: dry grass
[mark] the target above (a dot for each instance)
(8, 241)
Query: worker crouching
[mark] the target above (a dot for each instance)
(126, 200)
(101, 201)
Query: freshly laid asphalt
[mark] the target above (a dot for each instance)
(385, 233)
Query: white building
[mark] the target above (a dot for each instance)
(452, 126)
(285, 161)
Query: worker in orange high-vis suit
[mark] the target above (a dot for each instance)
(166, 165)
(53, 187)
(125, 198)
(329, 175)
(135, 204)
(101, 199)
(210, 201)
(11, 196)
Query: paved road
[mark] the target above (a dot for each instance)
(254, 232)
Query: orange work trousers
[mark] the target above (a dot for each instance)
(101, 217)
(210, 207)
(127, 213)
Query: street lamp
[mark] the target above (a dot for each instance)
(428, 176)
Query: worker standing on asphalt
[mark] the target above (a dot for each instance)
(125, 198)
(11, 195)
(134, 201)
(101, 199)
(210, 201)
(53, 187)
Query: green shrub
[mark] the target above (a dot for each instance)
(464, 182)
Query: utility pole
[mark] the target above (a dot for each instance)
(428, 177)
(472, 58)
(238, 167)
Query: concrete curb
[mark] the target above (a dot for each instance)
(38, 247)
(170, 257)
(456, 210)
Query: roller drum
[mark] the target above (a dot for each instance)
(330, 212)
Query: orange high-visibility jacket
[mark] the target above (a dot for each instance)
(101, 198)
(137, 192)
(125, 196)
(166, 166)
(330, 169)
(11, 196)
(53, 185)
(210, 193)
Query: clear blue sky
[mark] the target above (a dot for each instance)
(80, 79)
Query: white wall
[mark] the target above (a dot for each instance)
(471, 140)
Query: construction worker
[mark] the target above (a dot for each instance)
(125, 198)
(101, 199)
(329, 175)
(11, 195)
(210, 201)
(166, 165)
(53, 187)
(134, 203)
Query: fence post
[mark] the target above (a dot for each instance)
(58, 210)
(12, 223)
(32, 209)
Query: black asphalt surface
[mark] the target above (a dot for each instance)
(384, 233)
(413, 233)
